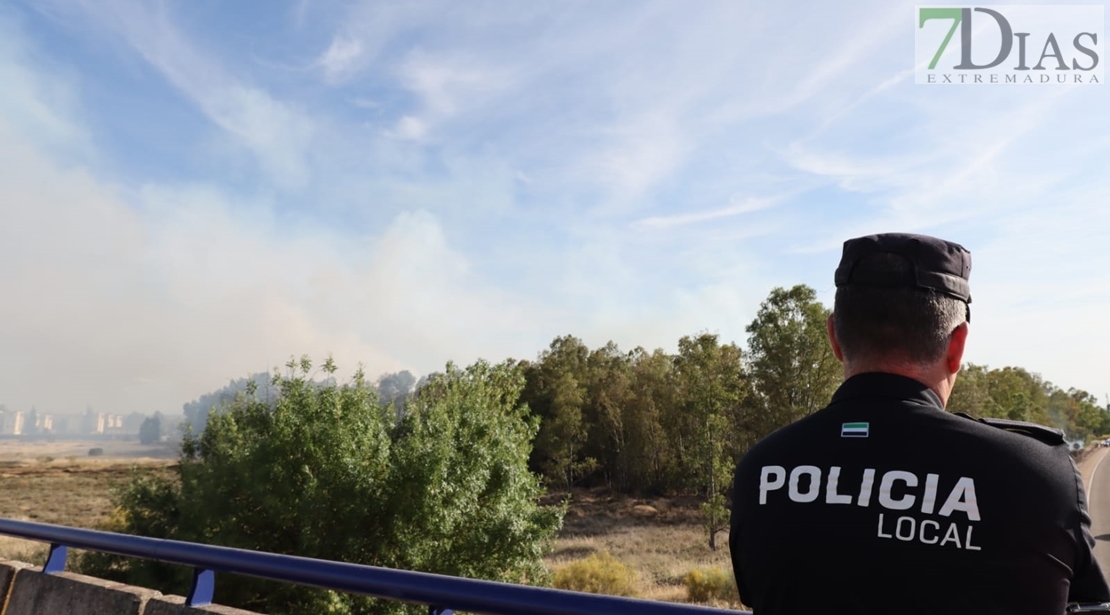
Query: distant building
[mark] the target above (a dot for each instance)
(44, 423)
(63, 425)
(92, 422)
(11, 422)
(101, 423)
(37, 423)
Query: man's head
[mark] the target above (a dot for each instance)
(899, 300)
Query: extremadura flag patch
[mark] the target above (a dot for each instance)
(854, 430)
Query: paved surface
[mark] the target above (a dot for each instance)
(1098, 498)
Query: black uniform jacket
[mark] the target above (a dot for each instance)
(884, 503)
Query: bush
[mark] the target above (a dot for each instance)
(599, 573)
(324, 470)
(96, 452)
(710, 585)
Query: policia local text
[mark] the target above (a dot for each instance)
(914, 493)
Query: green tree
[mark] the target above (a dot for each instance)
(461, 498)
(607, 413)
(325, 470)
(1081, 415)
(1016, 394)
(648, 455)
(556, 392)
(710, 383)
(969, 394)
(1103, 428)
(793, 369)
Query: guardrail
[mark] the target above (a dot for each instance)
(443, 594)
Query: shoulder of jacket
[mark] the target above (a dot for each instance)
(1048, 435)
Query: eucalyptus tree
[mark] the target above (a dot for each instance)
(790, 361)
(709, 385)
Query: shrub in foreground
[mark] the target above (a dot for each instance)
(324, 470)
(599, 573)
(710, 585)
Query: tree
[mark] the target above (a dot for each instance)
(556, 392)
(608, 398)
(645, 456)
(1016, 394)
(151, 429)
(792, 366)
(710, 383)
(325, 470)
(1092, 419)
(1076, 412)
(649, 454)
(969, 394)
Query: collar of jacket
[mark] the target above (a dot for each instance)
(880, 384)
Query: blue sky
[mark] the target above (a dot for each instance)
(195, 191)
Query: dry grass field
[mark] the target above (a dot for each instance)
(58, 482)
(660, 538)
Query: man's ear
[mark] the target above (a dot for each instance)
(955, 356)
(832, 339)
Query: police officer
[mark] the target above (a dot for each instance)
(882, 502)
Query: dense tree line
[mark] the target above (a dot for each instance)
(1017, 394)
(443, 474)
(645, 421)
(653, 422)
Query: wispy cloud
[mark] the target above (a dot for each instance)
(447, 84)
(738, 207)
(43, 105)
(642, 151)
(276, 134)
(340, 56)
(410, 128)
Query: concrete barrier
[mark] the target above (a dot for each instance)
(35, 593)
(26, 591)
(8, 568)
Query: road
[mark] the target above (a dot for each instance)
(1096, 475)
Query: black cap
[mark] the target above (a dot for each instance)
(936, 264)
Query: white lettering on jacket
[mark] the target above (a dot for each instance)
(909, 529)
(898, 490)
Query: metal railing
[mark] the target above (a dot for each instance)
(443, 594)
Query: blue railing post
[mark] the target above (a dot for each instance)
(56, 561)
(204, 585)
